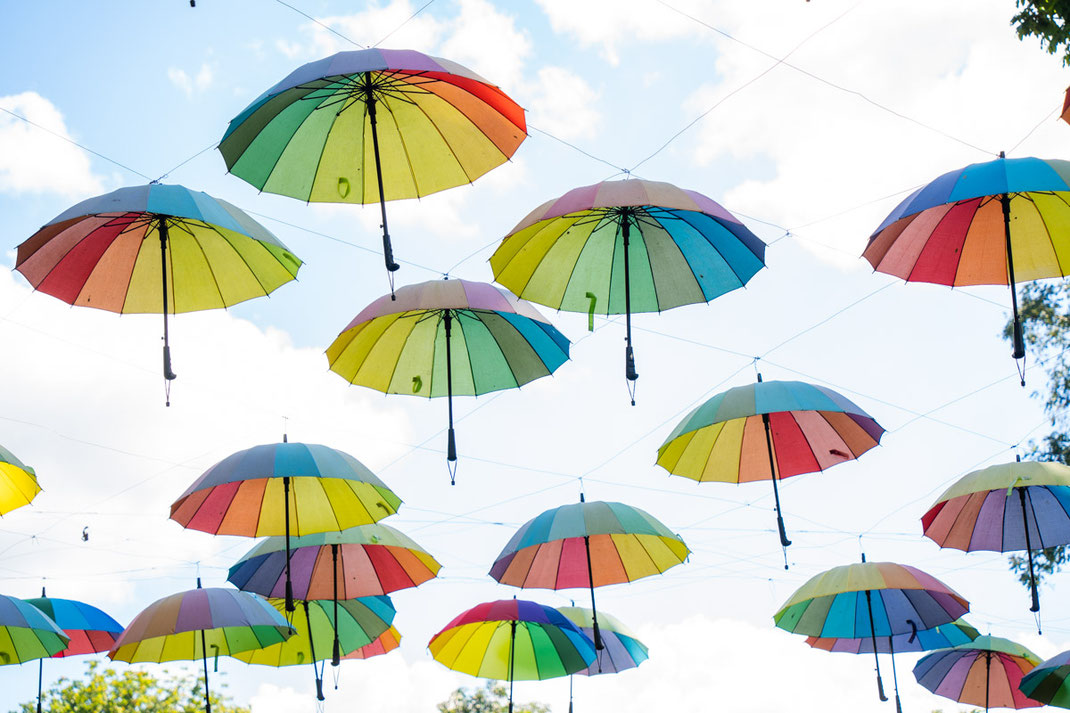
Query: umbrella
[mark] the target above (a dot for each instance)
(1065, 115)
(357, 562)
(275, 488)
(155, 249)
(979, 512)
(18, 482)
(874, 599)
(1047, 681)
(985, 672)
(184, 626)
(512, 639)
(444, 337)
(619, 247)
(768, 431)
(353, 623)
(27, 633)
(976, 225)
(622, 649)
(387, 642)
(370, 126)
(90, 630)
(588, 545)
(939, 637)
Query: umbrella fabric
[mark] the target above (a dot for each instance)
(399, 346)
(622, 649)
(939, 637)
(90, 630)
(684, 248)
(834, 603)
(387, 642)
(105, 252)
(243, 493)
(360, 623)
(371, 560)
(550, 552)
(1047, 681)
(985, 672)
(812, 428)
(18, 482)
(170, 628)
(27, 633)
(309, 137)
(513, 640)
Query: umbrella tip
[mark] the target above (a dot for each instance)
(863, 556)
(198, 582)
(582, 498)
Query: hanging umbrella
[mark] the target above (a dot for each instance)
(447, 337)
(89, 629)
(184, 626)
(514, 640)
(27, 633)
(387, 642)
(280, 488)
(939, 637)
(362, 561)
(353, 623)
(155, 249)
(18, 482)
(1047, 681)
(985, 672)
(994, 223)
(588, 545)
(619, 247)
(874, 599)
(770, 430)
(981, 512)
(622, 649)
(370, 126)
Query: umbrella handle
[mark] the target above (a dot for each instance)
(880, 689)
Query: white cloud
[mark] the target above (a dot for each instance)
(390, 26)
(564, 104)
(488, 42)
(191, 85)
(36, 161)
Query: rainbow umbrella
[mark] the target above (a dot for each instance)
(155, 249)
(277, 488)
(874, 599)
(387, 642)
(443, 337)
(370, 126)
(18, 482)
(89, 629)
(1047, 681)
(977, 225)
(979, 512)
(985, 671)
(362, 561)
(512, 639)
(588, 545)
(27, 633)
(619, 247)
(621, 649)
(184, 626)
(768, 431)
(352, 623)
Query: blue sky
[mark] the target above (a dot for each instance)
(869, 101)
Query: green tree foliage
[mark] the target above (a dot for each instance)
(492, 698)
(1046, 19)
(105, 690)
(1045, 315)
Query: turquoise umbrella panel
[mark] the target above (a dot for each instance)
(846, 615)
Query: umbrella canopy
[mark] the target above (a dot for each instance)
(939, 637)
(373, 125)
(18, 482)
(1047, 681)
(1004, 508)
(985, 672)
(993, 223)
(279, 488)
(769, 430)
(387, 642)
(446, 337)
(619, 247)
(623, 650)
(155, 249)
(27, 633)
(514, 640)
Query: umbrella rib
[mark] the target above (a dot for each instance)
(211, 270)
(130, 275)
(1036, 522)
(404, 145)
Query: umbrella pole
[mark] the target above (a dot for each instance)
(388, 251)
(895, 679)
(784, 541)
(168, 375)
(512, 646)
(1018, 351)
(569, 694)
(286, 514)
(204, 658)
(40, 681)
(1035, 607)
(598, 645)
(451, 442)
(988, 679)
(873, 636)
(629, 356)
(312, 654)
(336, 653)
